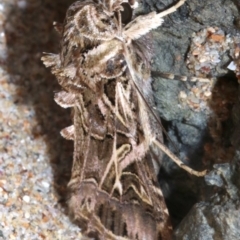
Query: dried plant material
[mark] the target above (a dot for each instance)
(104, 71)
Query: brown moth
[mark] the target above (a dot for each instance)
(103, 68)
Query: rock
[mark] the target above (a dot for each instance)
(198, 118)
(218, 216)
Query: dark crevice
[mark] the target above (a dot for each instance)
(182, 191)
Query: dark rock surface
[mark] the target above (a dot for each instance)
(215, 214)
(218, 216)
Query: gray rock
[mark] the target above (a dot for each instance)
(217, 216)
(171, 45)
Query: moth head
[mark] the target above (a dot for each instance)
(96, 22)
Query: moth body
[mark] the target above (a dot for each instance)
(102, 64)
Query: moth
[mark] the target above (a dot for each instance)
(104, 70)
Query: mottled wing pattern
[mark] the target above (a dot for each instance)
(113, 191)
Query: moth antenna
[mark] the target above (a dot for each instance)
(171, 76)
(172, 9)
(165, 149)
(178, 161)
(141, 25)
(119, 23)
(157, 143)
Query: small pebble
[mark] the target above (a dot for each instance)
(27, 215)
(45, 184)
(26, 198)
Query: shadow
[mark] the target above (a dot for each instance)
(216, 146)
(29, 32)
(220, 125)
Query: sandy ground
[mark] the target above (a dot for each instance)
(35, 161)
